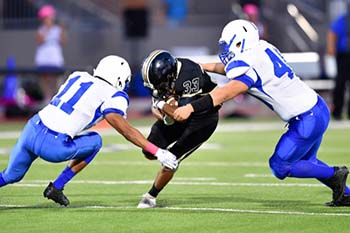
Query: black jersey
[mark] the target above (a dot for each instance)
(185, 137)
(192, 82)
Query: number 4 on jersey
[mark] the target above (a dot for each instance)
(279, 65)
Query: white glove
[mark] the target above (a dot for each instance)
(167, 159)
(158, 104)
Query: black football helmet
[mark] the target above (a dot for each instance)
(159, 72)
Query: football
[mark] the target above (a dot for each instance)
(172, 101)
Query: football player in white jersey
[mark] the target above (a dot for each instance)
(257, 67)
(56, 134)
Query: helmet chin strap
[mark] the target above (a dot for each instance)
(178, 68)
(172, 87)
(172, 84)
(104, 80)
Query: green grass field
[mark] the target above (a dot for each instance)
(224, 187)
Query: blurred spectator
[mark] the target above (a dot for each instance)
(17, 97)
(175, 11)
(49, 57)
(252, 13)
(338, 46)
(136, 18)
(10, 84)
(135, 15)
(255, 2)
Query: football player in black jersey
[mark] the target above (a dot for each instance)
(175, 82)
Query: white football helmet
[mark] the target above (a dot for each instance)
(236, 37)
(115, 70)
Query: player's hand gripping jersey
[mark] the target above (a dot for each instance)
(271, 80)
(81, 102)
(192, 82)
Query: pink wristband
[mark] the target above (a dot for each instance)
(151, 148)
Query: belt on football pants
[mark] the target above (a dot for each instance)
(39, 122)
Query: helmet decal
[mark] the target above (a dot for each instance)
(242, 45)
(225, 54)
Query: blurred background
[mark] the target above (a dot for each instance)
(132, 28)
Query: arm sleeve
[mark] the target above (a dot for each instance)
(247, 80)
(241, 70)
(238, 66)
(118, 103)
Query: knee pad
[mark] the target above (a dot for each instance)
(98, 139)
(91, 157)
(98, 145)
(13, 177)
(279, 167)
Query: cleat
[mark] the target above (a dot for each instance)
(330, 204)
(337, 183)
(344, 201)
(56, 195)
(147, 201)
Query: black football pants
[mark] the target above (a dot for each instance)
(186, 136)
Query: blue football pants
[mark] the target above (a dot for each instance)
(301, 141)
(37, 140)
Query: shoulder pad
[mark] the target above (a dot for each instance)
(236, 68)
(121, 94)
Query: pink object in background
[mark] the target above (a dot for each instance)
(250, 9)
(46, 11)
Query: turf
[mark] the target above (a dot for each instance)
(224, 187)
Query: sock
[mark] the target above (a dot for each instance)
(2, 181)
(307, 169)
(66, 175)
(154, 191)
(347, 191)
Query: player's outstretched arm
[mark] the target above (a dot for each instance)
(119, 123)
(227, 92)
(215, 98)
(218, 67)
(133, 135)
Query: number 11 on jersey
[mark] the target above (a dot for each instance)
(68, 107)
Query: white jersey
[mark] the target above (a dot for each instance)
(272, 80)
(81, 102)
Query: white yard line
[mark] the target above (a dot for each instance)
(156, 163)
(277, 212)
(123, 147)
(252, 175)
(42, 183)
(222, 127)
(206, 146)
(225, 210)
